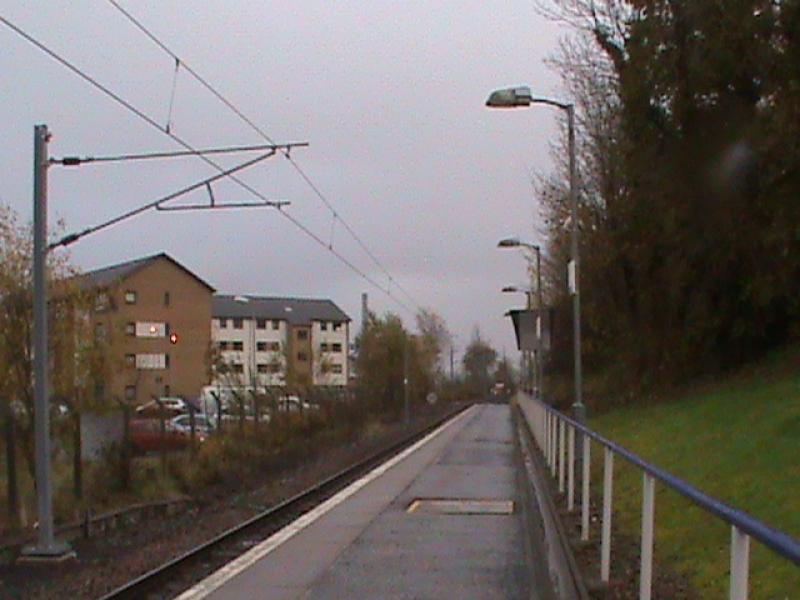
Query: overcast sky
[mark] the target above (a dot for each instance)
(390, 96)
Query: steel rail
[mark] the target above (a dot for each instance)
(778, 541)
(140, 586)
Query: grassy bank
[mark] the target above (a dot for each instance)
(736, 438)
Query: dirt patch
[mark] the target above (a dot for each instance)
(107, 562)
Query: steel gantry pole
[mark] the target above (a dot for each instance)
(46, 546)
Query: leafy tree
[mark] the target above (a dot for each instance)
(479, 357)
(77, 366)
(689, 220)
(434, 338)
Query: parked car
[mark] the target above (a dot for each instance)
(183, 423)
(166, 406)
(147, 436)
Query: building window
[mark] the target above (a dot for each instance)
(302, 334)
(262, 368)
(148, 329)
(261, 346)
(130, 360)
(323, 347)
(302, 357)
(238, 323)
(261, 323)
(151, 361)
(275, 346)
(99, 331)
(130, 329)
(275, 367)
(130, 297)
(223, 345)
(323, 325)
(130, 392)
(166, 298)
(101, 302)
(167, 390)
(166, 361)
(223, 323)
(337, 326)
(275, 324)
(238, 369)
(337, 348)
(238, 346)
(337, 369)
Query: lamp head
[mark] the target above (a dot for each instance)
(510, 97)
(512, 242)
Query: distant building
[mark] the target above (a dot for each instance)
(153, 314)
(269, 341)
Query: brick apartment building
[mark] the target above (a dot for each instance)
(259, 339)
(153, 315)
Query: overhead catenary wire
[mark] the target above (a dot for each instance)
(194, 151)
(303, 175)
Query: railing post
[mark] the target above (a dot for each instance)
(562, 450)
(585, 484)
(648, 519)
(554, 444)
(740, 563)
(546, 447)
(571, 470)
(608, 498)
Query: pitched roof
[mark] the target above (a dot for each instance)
(107, 276)
(297, 311)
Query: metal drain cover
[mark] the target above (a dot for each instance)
(461, 506)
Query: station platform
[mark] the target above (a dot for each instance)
(440, 520)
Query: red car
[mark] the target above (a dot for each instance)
(146, 436)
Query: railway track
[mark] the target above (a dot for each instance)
(177, 575)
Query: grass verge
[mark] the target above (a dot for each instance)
(737, 439)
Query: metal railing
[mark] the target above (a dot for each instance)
(555, 433)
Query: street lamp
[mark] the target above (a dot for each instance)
(515, 242)
(522, 97)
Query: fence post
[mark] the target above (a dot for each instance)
(608, 499)
(648, 518)
(571, 470)
(585, 484)
(740, 563)
(562, 443)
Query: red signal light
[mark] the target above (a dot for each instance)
(173, 338)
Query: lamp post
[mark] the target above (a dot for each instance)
(522, 97)
(515, 242)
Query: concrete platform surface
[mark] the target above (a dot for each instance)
(364, 543)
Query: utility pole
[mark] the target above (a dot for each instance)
(46, 547)
(452, 361)
(406, 409)
(539, 324)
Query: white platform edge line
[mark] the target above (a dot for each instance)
(256, 553)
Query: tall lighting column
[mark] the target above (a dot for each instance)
(522, 97)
